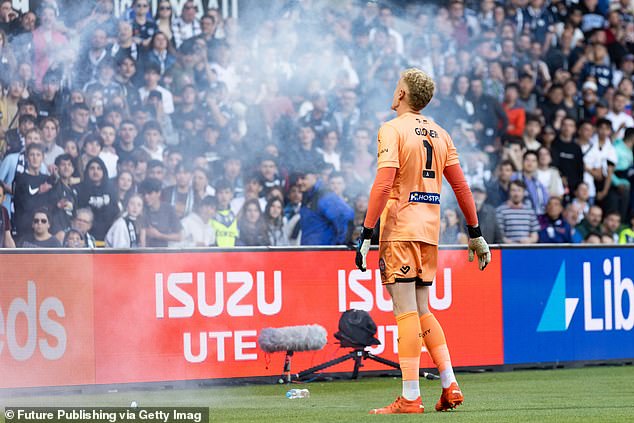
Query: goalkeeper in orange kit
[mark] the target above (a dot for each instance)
(413, 155)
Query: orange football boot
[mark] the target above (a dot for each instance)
(401, 406)
(450, 398)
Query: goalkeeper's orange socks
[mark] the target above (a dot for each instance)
(436, 344)
(410, 343)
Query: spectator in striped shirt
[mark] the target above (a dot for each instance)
(518, 221)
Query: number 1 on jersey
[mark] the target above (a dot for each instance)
(429, 153)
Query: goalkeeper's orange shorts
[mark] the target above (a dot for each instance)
(408, 261)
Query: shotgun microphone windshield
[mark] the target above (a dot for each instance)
(293, 338)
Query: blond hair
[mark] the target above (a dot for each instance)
(420, 86)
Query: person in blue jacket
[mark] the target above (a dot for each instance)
(325, 217)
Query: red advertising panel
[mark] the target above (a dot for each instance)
(46, 320)
(177, 316)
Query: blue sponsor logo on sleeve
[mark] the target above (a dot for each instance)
(424, 197)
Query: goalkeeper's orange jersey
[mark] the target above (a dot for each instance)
(420, 150)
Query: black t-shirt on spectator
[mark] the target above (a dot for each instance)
(29, 241)
(568, 158)
(27, 198)
(164, 220)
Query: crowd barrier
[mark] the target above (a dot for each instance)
(115, 317)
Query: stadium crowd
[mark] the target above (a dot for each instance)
(154, 130)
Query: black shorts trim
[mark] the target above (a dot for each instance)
(414, 279)
(418, 280)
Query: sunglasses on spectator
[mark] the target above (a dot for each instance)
(165, 8)
(190, 7)
(42, 221)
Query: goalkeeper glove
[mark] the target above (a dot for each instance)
(363, 246)
(478, 246)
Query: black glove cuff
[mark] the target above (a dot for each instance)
(474, 231)
(367, 233)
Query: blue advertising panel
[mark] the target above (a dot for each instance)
(567, 304)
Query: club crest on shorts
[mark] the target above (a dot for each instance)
(382, 265)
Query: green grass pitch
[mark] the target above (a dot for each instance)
(593, 394)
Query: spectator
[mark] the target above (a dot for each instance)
(592, 238)
(532, 129)
(104, 81)
(600, 161)
(591, 222)
(143, 27)
(626, 236)
(15, 164)
(567, 155)
(63, 197)
(251, 225)
(554, 228)
(325, 217)
(124, 46)
(152, 76)
(304, 154)
(581, 200)
(617, 115)
(488, 116)
(82, 222)
(527, 97)
(153, 143)
(127, 230)
(39, 236)
(329, 149)
(160, 221)
(49, 128)
(450, 228)
(536, 193)
(124, 145)
(611, 226)
(79, 124)
(125, 187)
(347, 117)
(498, 189)
(292, 214)
(225, 222)
(181, 195)
(48, 43)
(200, 185)
(186, 26)
(622, 169)
(6, 239)
(516, 115)
(197, 228)
(518, 221)
(73, 239)
(108, 152)
(165, 21)
(549, 175)
(15, 138)
(268, 174)
(159, 55)
(97, 193)
(89, 62)
(31, 190)
(276, 223)
(486, 215)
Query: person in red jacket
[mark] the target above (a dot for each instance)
(516, 114)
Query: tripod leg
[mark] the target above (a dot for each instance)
(357, 363)
(304, 373)
(382, 360)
